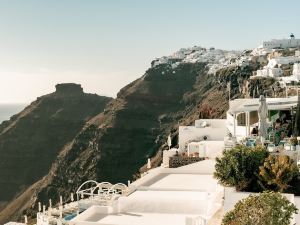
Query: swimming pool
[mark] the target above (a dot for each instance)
(70, 216)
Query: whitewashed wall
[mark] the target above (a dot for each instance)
(215, 131)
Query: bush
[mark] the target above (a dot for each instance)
(239, 167)
(268, 208)
(277, 172)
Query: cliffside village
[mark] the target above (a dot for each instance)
(282, 59)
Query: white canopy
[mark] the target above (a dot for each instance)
(252, 104)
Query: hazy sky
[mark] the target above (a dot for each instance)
(106, 44)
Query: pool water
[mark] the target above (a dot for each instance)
(69, 217)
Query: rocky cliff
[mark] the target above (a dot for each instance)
(114, 145)
(31, 140)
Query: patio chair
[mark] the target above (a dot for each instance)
(271, 147)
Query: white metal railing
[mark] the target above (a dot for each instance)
(199, 220)
(103, 193)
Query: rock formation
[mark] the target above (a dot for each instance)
(31, 140)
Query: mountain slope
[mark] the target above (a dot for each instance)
(115, 145)
(31, 140)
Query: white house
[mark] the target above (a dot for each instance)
(296, 71)
(273, 68)
(282, 43)
(269, 72)
(242, 115)
(295, 77)
(282, 61)
(204, 129)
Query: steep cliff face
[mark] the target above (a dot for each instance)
(131, 129)
(114, 145)
(31, 140)
(134, 127)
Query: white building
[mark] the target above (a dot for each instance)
(295, 77)
(203, 130)
(269, 72)
(296, 71)
(242, 115)
(282, 61)
(273, 68)
(260, 51)
(282, 43)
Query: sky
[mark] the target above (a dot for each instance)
(104, 45)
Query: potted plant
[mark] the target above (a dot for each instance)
(293, 142)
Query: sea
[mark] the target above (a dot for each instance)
(8, 110)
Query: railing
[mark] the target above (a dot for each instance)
(103, 193)
(199, 220)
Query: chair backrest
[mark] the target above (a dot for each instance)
(102, 188)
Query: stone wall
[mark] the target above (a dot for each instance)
(178, 161)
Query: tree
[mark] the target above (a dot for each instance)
(277, 172)
(267, 208)
(239, 167)
(206, 112)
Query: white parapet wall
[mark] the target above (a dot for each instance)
(14, 223)
(297, 203)
(210, 149)
(167, 154)
(93, 211)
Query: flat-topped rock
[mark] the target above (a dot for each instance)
(68, 89)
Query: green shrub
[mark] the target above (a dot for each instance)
(277, 172)
(239, 167)
(268, 208)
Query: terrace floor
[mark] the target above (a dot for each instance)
(217, 218)
(137, 218)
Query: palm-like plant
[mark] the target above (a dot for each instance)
(239, 167)
(278, 171)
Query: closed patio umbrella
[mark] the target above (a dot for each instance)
(297, 120)
(149, 164)
(263, 116)
(169, 141)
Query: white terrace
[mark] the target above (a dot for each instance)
(186, 195)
